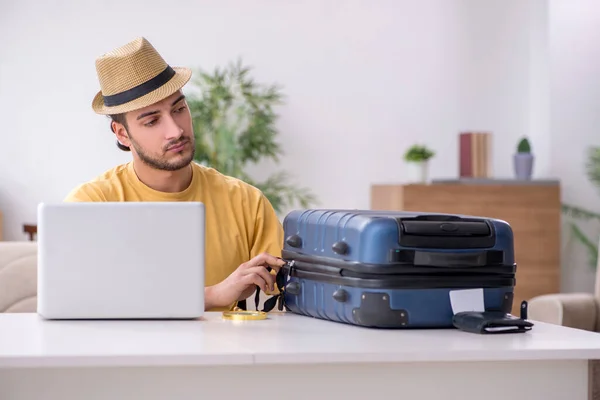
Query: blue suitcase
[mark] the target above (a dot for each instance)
(385, 269)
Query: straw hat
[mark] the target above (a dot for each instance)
(134, 76)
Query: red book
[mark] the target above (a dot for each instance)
(466, 168)
(474, 154)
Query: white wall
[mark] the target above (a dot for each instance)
(575, 119)
(363, 80)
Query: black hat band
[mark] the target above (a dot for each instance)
(140, 90)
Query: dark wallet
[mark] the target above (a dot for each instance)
(485, 322)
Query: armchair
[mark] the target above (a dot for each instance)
(18, 276)
(575, 310)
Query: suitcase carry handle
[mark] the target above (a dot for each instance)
(445, 228)
(445, 232)
(434, 217)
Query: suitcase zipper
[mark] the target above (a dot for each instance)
(328, 274)
(417, 264)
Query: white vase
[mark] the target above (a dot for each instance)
(523, 165)
(419, 172)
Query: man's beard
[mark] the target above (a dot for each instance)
(164, 165)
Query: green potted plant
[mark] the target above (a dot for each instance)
(588, 218)
(523, 160)
(235, 126)
(419, 156)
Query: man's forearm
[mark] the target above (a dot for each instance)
(211, 298)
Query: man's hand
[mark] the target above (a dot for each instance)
(243, 281)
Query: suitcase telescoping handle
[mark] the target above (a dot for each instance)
(447, 259)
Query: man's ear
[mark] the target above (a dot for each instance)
(121, 133)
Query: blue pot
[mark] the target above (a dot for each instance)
(523, 165)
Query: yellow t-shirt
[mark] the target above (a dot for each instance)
(240, 221)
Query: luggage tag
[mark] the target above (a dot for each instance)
(278, 299)
(240, 313)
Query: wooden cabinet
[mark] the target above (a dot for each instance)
(533, 209)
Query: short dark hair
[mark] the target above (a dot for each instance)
(120, 119)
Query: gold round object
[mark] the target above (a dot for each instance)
(244, 315)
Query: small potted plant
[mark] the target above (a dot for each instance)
(419, 156)
(523, 160)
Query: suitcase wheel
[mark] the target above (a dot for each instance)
(340, 247)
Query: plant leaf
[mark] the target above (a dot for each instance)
(235, 125)
(592, 166)
(589, 245)
(578, 212)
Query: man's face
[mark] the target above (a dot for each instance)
(161, 134)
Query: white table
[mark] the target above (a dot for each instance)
(285, 357)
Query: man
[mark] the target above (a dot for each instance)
(142, 95)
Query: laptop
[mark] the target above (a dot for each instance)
(121, 260)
